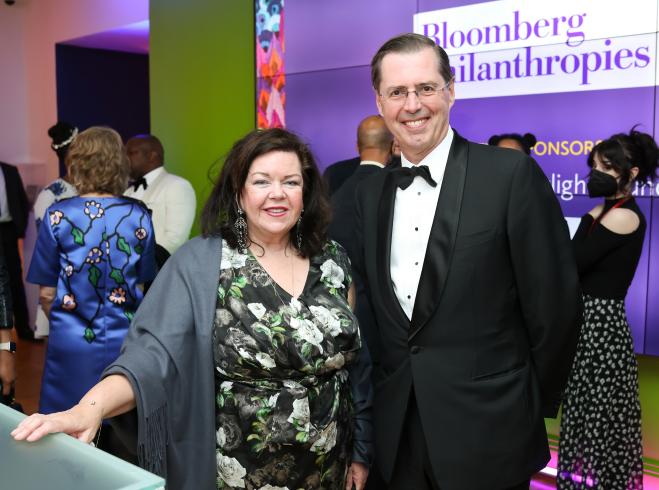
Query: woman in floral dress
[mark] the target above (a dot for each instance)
(91, 253)
(259, 309)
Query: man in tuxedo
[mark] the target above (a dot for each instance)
(374, 142)
(171, 198)
(468, 266)
(14, 211)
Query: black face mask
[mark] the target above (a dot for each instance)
(601, 184)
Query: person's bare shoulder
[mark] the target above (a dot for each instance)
(621, 221)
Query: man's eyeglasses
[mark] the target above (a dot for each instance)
(399, 94)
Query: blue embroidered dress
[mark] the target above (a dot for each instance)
(95, 251)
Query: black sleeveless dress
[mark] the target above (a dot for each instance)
(600, 439)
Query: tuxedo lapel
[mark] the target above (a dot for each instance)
(442, 236)
(383, 250)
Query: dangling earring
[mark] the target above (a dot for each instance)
(298, 231)
(240, 229)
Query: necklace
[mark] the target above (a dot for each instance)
(274, 283)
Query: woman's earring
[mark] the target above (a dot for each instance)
(240, 229)
(298, 232)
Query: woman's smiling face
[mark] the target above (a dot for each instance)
(272, 197)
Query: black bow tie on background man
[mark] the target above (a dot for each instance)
(404, 176)
(139, 182)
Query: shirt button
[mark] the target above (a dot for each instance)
(418, 193)
(415, 349)
(416, 263)
(416, 228)
(409, 296)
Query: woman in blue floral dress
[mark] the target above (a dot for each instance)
(91, 253)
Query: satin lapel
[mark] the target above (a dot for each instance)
(442, 236)
(383, 250)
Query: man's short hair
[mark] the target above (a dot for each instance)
(150, 142)
(409, 43)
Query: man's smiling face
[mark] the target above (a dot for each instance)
(419, 123)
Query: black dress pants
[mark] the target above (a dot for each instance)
(412, 470)
(9, 239)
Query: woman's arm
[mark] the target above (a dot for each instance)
(110, 397)
(7, 363)
(46, 297)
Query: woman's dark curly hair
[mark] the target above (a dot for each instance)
(625, 151)
(221, 209)
(526, 142)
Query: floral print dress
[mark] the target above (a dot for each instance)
(95, 251)
(283, 404)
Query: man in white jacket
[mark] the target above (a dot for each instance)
(171, 198)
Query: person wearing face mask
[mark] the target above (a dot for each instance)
(600, 444)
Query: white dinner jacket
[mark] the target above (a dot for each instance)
(173, 202)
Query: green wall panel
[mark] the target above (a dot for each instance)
(202, 79)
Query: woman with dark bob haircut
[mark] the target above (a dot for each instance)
(244, 361)
(600, 444)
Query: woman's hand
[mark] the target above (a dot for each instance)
(357, 475)
(81, 422)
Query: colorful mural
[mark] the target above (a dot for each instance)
(270, 49)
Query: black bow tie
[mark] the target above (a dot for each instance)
(139, 182)
(405, 175)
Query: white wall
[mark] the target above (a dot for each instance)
(29, 31)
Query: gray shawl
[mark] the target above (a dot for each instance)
(167, 357)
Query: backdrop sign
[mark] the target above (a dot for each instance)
(513, 48)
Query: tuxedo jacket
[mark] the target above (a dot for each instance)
(342, 229)
(337, 173)
(19, 207)
(494, 326)
(173, 204)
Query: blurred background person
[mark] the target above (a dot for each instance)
(7, 347)
(62, 135)
(14, 212)
(245, 359)
(600, 435)
(395, 161)
(337, 173)
(91, 254)
(514, 141)
(170, 198)
(375, 144)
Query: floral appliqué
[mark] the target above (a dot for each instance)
(93, 209)
(94, 256)
(140, 233)
(117, 296)
(69, 302)
(56, 217)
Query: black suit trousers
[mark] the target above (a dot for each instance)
(413, 469)
(9, 239)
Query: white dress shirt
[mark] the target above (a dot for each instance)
(414, 212)
(371, 162)
(173, 202)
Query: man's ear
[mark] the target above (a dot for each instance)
(378, 102)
